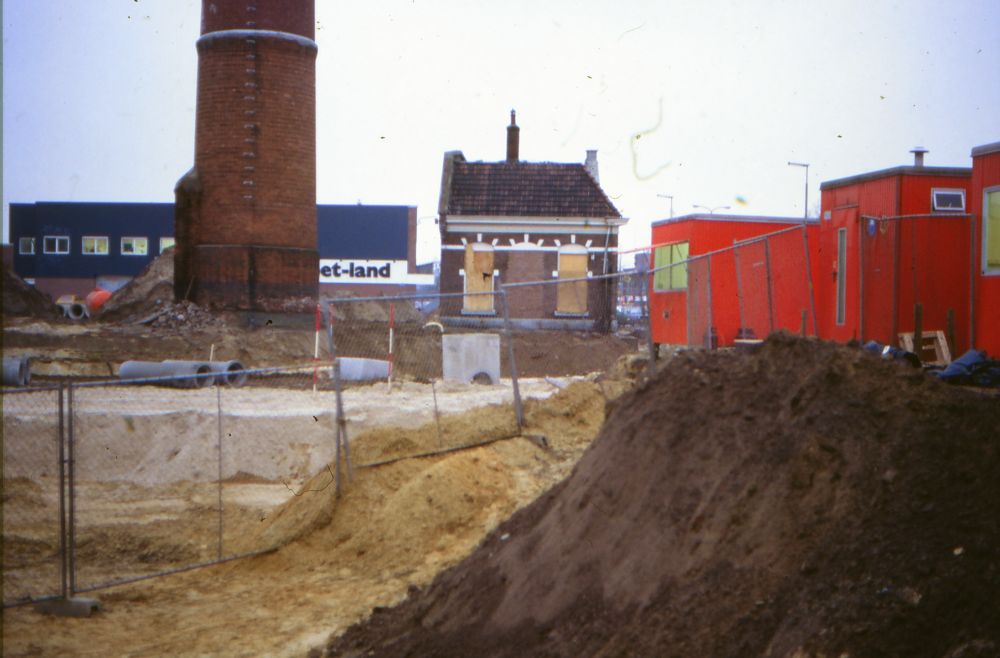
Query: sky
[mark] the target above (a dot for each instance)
(705, 100)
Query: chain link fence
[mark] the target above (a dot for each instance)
(426, 368)
(33, 494)
(743, 292)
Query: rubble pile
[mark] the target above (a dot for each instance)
(179, 315)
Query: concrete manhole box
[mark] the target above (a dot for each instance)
(467, 357)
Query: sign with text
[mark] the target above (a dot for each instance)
(369, 271)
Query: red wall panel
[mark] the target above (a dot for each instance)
(985, 174)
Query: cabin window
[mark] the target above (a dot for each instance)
(134, 246)
(670, 278)
(95, 246)
(842, 276)
(948, 200)
(55, 244)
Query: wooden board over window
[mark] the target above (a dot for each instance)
(571, 298)
(478, 277)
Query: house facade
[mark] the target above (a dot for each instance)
(517, 222)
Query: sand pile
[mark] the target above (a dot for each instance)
(20, 298)
(808, 500)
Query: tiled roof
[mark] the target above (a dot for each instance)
(520, 189)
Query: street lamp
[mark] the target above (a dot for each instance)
(671, 197)
(711, 211)
(805, 212)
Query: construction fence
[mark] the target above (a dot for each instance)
(111, 482)
(743, 292)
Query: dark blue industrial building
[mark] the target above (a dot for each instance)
(68, 248)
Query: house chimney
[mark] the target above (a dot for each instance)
(512, 138)
(591, 166)
(918, 156)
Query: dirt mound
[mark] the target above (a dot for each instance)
(140, 295)
(807, 500)
(20, 298)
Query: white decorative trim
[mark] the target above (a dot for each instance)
(464, 242)
(495, 240)
(589, 242)
(572, 238)
(558, 243)
(244, 34)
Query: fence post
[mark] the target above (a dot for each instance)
(711, 319)
(739, 289)
(72, 492)
(62, 493)
(809, 273)
(513, 365)
(861, 280)
(218, 400)
(918, 330)
(770, 296)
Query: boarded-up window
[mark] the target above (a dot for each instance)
(478, 278)
(670, 278)
(571, 298)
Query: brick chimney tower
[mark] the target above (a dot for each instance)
(245, 215)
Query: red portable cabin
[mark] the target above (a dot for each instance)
(890, 239)
(769, 292)
(984, 203)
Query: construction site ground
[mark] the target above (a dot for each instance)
(395, 527)
(807, 500)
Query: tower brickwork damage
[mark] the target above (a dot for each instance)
(245, 215)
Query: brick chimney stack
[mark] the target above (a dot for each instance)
(245, 215)
(512, 138)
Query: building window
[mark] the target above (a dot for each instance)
(26, 246)
(571, 298)
(134, 246)
(841, 276)
(948, 200)
(95, 246)
(991, 230)
(55, 244)
(478, 279)
(670, 278)
(166, 243)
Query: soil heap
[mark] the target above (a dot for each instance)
(23, 299)
(806, 500)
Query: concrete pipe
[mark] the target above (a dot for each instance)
(13, 372)
(230, 373)
(26, 360)
(75, 311)
(181, 374)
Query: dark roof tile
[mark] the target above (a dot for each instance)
(519, 189)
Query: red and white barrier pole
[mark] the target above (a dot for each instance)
(390, 348)
(316, 350)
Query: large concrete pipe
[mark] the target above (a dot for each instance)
(230, 373)
(182, 374)
(71, 308)
(13, 372)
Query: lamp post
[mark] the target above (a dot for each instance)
(805, 212)
(671, 197)
(711, 211)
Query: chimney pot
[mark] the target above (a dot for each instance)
(918, 156)
(512, 138)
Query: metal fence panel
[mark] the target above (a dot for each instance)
(32, 495)
(410, 355)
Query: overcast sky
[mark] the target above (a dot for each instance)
(703, 100)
